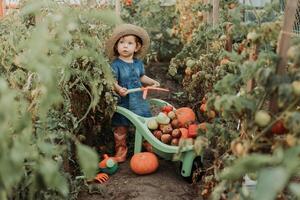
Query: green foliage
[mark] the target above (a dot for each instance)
(88, 160)
(239, 144)
(54, 77)
(158, 20)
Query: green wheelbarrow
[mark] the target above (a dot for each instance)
(186, 155)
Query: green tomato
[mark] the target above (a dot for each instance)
(190, 63)
(262, 118)
(296, 88)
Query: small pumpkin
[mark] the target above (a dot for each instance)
(185, 115)
(144, 163)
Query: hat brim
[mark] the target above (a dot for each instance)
(127, 29)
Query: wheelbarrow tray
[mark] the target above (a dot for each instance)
(184, 154)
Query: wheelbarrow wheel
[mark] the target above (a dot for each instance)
(196, 172)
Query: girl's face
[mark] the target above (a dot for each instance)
(127, 46)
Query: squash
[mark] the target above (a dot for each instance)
(162, 118)
(185, 116)
(144, 163)
(152, 124)
(171, 114)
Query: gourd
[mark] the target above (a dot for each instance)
(144, 163)
(162, 118)
(184, 116)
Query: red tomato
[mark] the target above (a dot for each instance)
(203, 107)
(278, 128)
(192, 130)
(167, 108)
(128, 2)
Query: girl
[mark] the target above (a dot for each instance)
(127, 44)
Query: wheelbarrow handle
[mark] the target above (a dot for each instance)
(145, 90)
(134, 90)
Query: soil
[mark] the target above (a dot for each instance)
(166, 183)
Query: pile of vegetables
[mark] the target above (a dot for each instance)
(171, 125)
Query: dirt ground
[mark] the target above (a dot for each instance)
(166, 183)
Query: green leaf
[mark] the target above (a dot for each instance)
(199, 144)
(52, 177)
(295, 189)
(270, 182)
(247, 164)
(88, 160)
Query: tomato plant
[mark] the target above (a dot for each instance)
(58, 86)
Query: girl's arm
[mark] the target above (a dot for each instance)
(120, 90)
(149, 81)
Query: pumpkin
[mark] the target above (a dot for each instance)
(185, 115)
(144, 163)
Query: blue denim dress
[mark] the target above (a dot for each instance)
(128, 75)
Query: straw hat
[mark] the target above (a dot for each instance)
(127, 29)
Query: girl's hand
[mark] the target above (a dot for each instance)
(123, 92)
(156, 83)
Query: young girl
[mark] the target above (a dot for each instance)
(127, 44)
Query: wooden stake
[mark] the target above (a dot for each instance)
(210, 13)
(229, 40)
(118, 7)
(284, 44)
(1, 8)
(284, 39)
(216, 5)
(253, 56)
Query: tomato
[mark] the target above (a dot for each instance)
(278, 128)
(262, 118)
(192, 130)
(224, 61)
(202, 126)
(296, 88)
(203, 107)
(211, 114)
(128, 2)
(188, 71)
(167, 109)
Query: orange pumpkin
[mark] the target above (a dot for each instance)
(144, 163)
(184, 116)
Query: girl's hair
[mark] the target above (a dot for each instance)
(138, 40)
